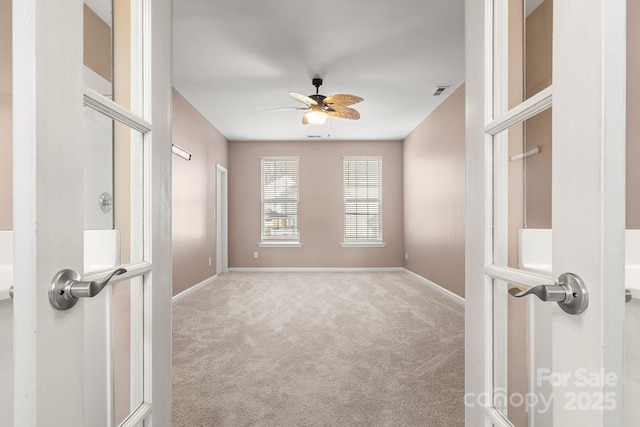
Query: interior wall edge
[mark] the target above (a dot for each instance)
(455, 297)
(193, 288)
(434, 195)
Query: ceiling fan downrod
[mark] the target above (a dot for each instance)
(317, 82)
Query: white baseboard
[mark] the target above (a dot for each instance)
(457, 298)
(193, 288)
(310, 269)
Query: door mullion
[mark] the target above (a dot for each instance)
(115, 111)
(521, 112)
(522, 277)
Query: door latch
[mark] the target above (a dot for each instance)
(67, 287)
(569, 292)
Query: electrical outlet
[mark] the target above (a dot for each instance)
(209, 260)
(406, 255)
(255, 254)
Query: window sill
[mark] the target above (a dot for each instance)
(363, 245)
(280, 245)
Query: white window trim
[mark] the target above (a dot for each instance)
(280, 244)
(365, 244)
(283, 243)
(372, 243)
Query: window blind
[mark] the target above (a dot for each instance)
(362, 199)
(280, 195)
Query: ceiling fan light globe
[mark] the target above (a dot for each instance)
(317, 117)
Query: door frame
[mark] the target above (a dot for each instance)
(588, 97)
(222, 220)
(48, 236)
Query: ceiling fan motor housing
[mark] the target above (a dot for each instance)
(318, 98)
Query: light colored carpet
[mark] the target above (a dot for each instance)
(318, 349)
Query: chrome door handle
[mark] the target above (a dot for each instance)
(569, 292)
(67, 287)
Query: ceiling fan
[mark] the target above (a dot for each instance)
(319, 107)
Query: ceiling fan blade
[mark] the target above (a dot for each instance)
(302, 98)
(345, 113)
(341, 100)
(285, 109)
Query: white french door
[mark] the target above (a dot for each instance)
(92, 78)
(545, 141)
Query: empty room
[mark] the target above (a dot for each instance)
(324, 314)
(226, 213)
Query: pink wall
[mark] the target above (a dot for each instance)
(6, 117)
(633, 114)
(434, 195)
(321, 205)
(194, 195)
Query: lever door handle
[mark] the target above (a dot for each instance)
(569, 292)
(544, 292)
(627, 295)
(67, 287)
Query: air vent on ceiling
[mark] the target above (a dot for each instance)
(314, 136)
(439, 90)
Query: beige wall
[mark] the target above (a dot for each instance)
(515, 133)
(6, 127)
(538, 76)
(194, 195)
(97, 43)
(434, 195)
(633, 114)
(321, 205)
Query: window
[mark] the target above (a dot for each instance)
(280, 200)
(362, 200)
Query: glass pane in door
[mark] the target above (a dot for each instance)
(113, 51)
(511, 350)
(6, 211)
(6, 175)
(633, 115)
(113, 202)
(6, 118)
(632, 270)
(521, 358)
(510, 355)
(127, 347)
(98, 46)
(530, 30)
(522, 188)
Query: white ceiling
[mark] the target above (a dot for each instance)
(233, 59)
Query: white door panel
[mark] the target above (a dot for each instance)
(106, 360)
(521, 356)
